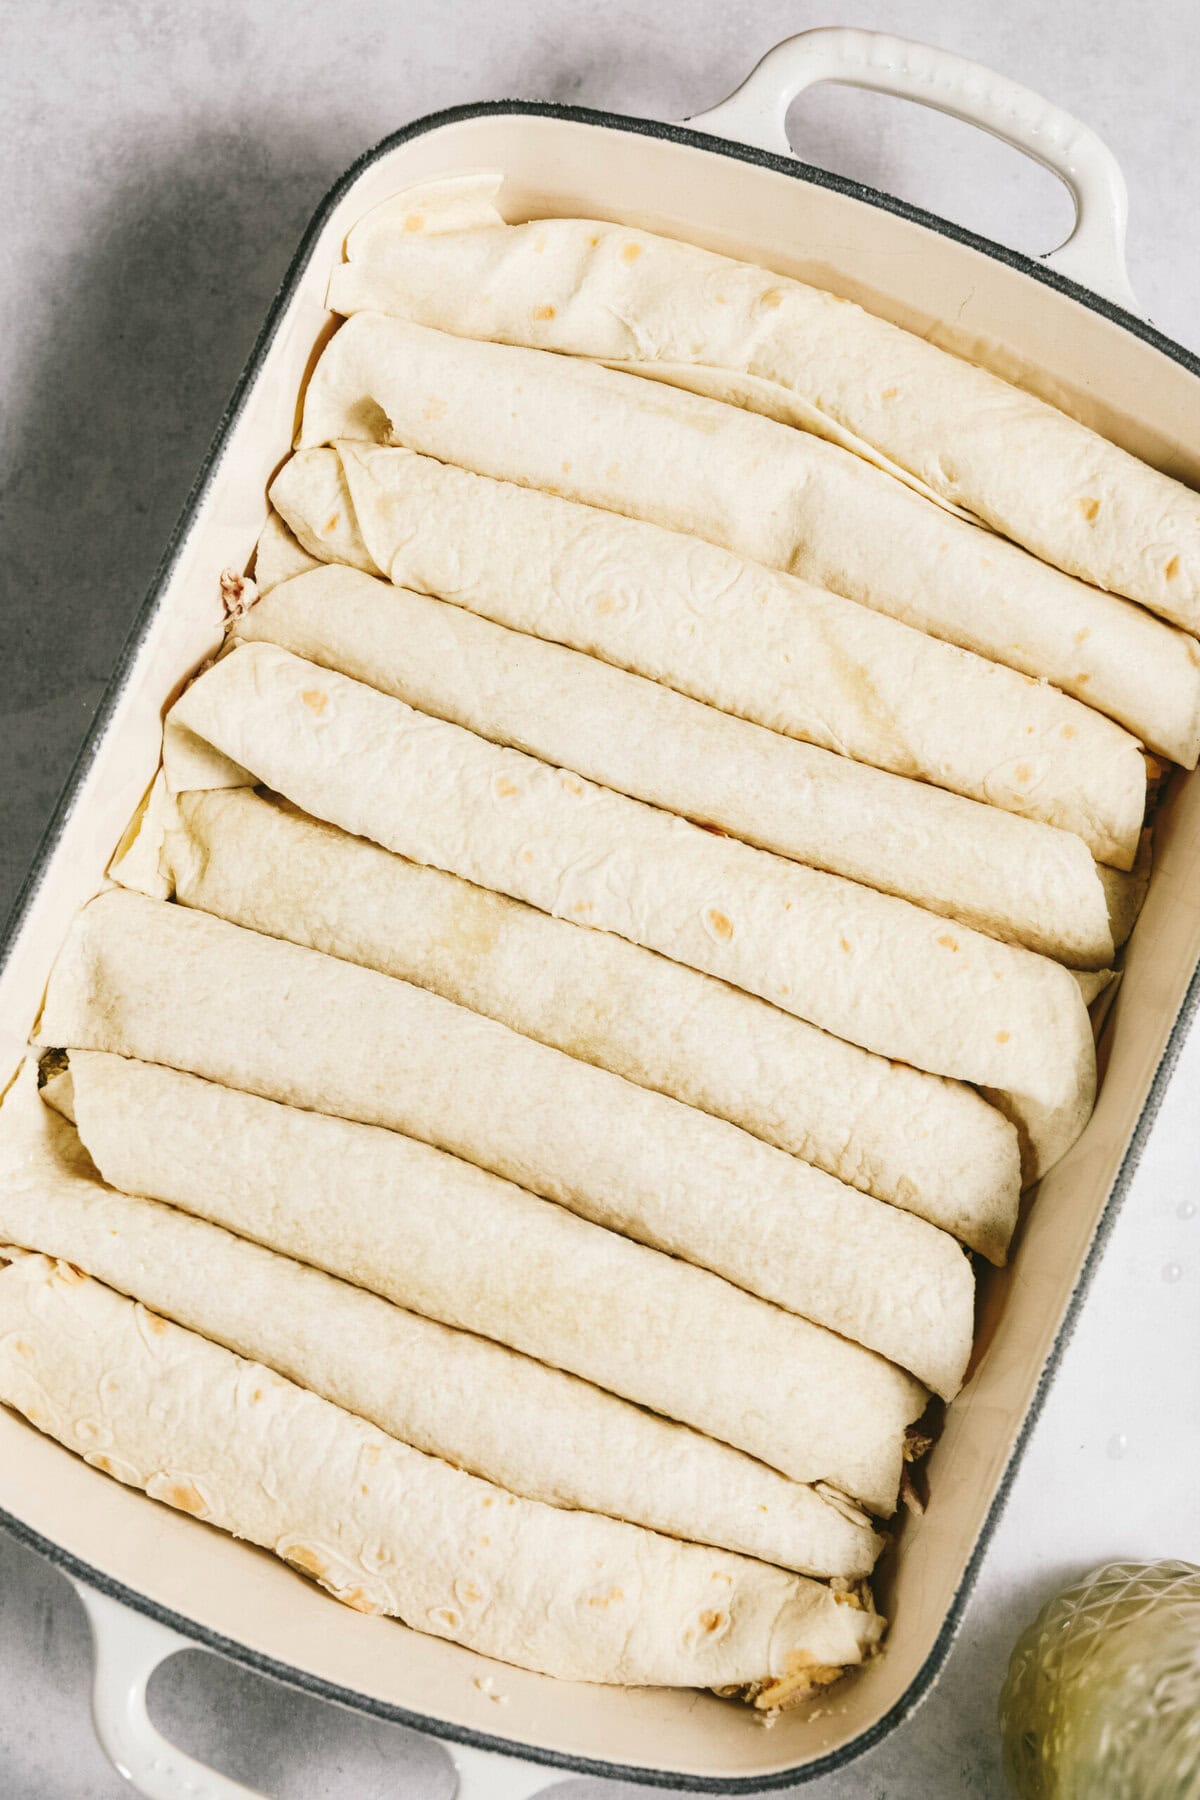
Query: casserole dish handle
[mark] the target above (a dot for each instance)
(1094, 253)
(128, 1647)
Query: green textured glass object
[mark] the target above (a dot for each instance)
(1102, 1696)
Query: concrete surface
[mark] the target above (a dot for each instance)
(159, 164)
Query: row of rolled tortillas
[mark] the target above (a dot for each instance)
(472, 1401)
(387, 1529)
(750, 641)
(770, 494)
(924, 1143)
(1025, 882)
(797, 353)
(868, 967)
(311, 1030)
(754, 642)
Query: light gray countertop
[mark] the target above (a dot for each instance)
(160, 164)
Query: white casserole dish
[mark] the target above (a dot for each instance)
(1024, 320)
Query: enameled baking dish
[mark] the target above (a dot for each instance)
(1082, 346)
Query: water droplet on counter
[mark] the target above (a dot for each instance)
(1186, 1209)
(1172, 1272)
(1117, 1445)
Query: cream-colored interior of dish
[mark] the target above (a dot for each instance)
(1061, 350)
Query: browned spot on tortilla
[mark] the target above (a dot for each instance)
(544, 312)
(615, 1593)
(1024, 773)
(606, 604)
(1068, 731)
(722, 926)
(1084, 632)
(947, 942)
(306, 1560)
(356, 1599)
(1082, 680)
(488, 1501)
(1171, 569)
(331, 523)
(24, 1349)
(784, 988)
(102, 1463)
(527, 856)
(186, 1496)
(594, 242)
(256, 1396)
(434, 408)
(415, 222)
(720, 299)
(469, 1593)
(572, 786)
(630, 252)
(485, 1540)
(712, 1621)
(720, 1575)
(889, 393)
(772, 297)
(156, 1326)
(505, 788)
(1002, 1037)
(363, 1488)
(566, 468)
(315, 700)
(845, 943)
(371, 1455)
(1088, 507)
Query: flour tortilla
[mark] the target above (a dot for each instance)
(868, 967)
(750, 641)
(804, 356)
(777, 496)
(929, 1145)
(531, 1428)
(385, 1528)
(313, 1031)
(1023, 882)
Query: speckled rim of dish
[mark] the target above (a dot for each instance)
(930, 1671)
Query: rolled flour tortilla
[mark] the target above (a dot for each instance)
(531, 1428)
(1017, 880)
(777, 496)
(307, 1029)
(385, 1528)
(751, 641)
(803, 356)
(868, 967)
(929, 1145)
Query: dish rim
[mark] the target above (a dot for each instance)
(930, 1670)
